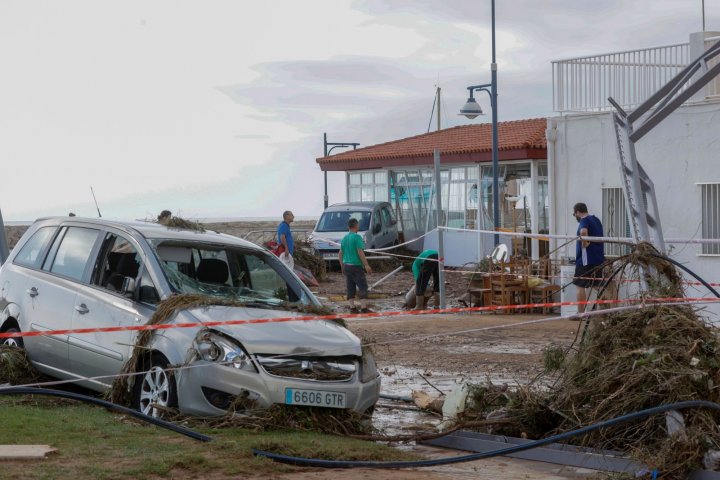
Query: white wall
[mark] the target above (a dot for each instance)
(679, 152)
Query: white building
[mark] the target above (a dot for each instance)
(681, 154)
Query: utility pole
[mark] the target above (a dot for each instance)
(327, 152)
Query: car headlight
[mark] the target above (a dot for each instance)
(368, 369)
(216, 348)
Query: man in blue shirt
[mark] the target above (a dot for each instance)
(284, 234)
(589, 256)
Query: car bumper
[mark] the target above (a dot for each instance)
(193, 385)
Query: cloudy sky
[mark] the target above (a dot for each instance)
(217, 108)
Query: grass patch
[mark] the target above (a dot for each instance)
(95, 443)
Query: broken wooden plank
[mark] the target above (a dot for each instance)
(24, 452)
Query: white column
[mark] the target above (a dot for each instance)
(534, 217)
(697, 48)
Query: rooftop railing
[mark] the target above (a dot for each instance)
(583, 84)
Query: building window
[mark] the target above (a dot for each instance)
(543, 206)
(710, 200)
(368, 186)
(615, 220)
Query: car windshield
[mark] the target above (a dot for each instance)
(230, 273)
(338, 221)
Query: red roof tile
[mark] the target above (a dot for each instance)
(467, 139)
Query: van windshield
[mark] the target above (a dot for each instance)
(338, 221)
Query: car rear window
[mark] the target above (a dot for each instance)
(29, 254)
(74, 252)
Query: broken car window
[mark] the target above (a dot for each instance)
(228, 273)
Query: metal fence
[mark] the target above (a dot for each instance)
(259, 237)
(583, 84)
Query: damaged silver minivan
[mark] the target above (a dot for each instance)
(74, 273)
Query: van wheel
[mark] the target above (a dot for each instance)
(155, 389)
(13, 341)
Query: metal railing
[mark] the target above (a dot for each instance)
(259, 237)
(584, 84)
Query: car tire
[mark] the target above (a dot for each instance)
(14, 341)
(155, 386)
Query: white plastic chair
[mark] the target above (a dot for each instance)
(500, 253)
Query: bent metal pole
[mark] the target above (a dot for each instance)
(441, 247)
(4, 250)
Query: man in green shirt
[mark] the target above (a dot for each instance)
(424, 267)
(353, 265)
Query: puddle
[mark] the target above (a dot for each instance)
(398, 417)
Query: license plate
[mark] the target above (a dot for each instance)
(314, 398)
(330, 256)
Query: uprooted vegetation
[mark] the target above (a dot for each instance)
(15, 368)
(305, 257)
(625, 362)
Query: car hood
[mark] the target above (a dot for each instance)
(316, 337)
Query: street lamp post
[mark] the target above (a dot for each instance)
(471, 109)
(327, 152)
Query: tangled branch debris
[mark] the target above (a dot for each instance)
(627, 361)
(282, 417)
(15, 368)
(304, 256)
(166, 218)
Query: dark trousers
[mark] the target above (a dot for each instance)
(429, 269)
(355, 278)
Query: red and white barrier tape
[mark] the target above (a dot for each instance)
(167, 326)
(579, 316)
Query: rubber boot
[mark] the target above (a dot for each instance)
(419, 302)
(436, 300)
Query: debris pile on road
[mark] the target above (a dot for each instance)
(626, 361)
(305, 257)
(283, 417)
(15, 368)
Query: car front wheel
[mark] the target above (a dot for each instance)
(13, 341)
(155, 389)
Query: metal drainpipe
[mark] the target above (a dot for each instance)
(551, 136)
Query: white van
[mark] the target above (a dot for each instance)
(378, 226)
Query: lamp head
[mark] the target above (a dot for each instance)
(471, 109)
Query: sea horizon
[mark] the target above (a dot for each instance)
(16, 223)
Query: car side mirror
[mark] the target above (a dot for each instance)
(393, 221)
(148, 294)
(377, 228)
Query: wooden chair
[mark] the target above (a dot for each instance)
(509, 286)
(547, 292)
(480, 290)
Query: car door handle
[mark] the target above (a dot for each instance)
(33, 292)
(82, 309)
